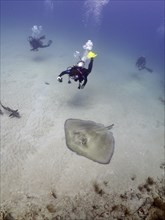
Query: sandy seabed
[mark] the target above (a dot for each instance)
(41, 178)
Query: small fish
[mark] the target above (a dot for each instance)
(47, 83)
(54, 194)
(14, 113)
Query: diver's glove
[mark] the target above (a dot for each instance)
(91, 55)
(59, 78)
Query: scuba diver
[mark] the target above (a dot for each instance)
(141, 64)
(36, 43)
(78, 72)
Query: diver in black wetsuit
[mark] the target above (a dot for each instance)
(141, 64)
(78, 73)
(36, 43)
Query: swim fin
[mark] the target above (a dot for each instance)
(91, 55)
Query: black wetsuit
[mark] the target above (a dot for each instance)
(79, 73)
(36, 43)
(141, 63)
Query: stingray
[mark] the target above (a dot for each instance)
(90, 139)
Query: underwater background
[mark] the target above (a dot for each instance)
(132, 27)
(40, 177)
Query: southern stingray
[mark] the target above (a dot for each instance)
(90, 139)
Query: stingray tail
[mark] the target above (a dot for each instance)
(110, 126)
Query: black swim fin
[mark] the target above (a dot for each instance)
(148, 69)
(49, 43)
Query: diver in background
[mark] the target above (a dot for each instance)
(35, 41)
(141, 64)
(78, 73)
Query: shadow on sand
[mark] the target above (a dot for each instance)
(80, 100)
(40, 58)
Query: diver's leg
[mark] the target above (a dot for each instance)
(43, 46)
(69, 79)
(42, 37)
(47, 45)
(79, 85)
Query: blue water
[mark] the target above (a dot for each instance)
(130, 27)
(35, 159)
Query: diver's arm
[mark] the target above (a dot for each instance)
(63, 73)
(87, 73)
(90, 66)
(59, 78)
